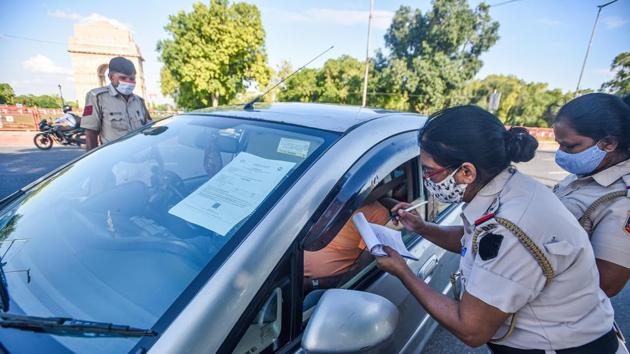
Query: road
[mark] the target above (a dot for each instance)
(22, 165)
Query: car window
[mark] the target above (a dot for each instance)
(346, 255)
(119, 235)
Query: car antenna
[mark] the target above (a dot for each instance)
(250, 105)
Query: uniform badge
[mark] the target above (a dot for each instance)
(626, 227)
(87, 111)
(489, 246)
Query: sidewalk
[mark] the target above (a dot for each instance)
(16, 138)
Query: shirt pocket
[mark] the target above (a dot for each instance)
(117, 121)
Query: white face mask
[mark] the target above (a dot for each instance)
(125, 88)
(446, 191)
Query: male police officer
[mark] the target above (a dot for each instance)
(113, 110)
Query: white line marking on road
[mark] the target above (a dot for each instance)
(558, 173)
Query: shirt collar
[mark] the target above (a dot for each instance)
(486, 196)
(611, 174)
(112, 90)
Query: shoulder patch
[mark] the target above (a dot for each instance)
(88, 110)
(626, 227)
(489, 246)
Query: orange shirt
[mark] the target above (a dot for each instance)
(341, 253)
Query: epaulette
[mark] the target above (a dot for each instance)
(99, 90)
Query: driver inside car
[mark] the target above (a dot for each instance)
(329, 266)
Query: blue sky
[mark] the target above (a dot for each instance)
(541, 40)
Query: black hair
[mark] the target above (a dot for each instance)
(597, 116)
(470, 134)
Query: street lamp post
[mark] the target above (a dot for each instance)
(61, 95)
(590, 42)
(367, 56)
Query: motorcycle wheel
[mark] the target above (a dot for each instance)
(42, 141)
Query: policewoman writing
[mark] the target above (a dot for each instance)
(527, 281)
(593, 132)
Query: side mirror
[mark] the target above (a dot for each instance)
(349, 321)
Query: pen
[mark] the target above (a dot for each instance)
(413, 207)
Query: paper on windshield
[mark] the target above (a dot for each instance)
(233, 193)
(377, 236)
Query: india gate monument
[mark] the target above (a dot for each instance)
(92, 46)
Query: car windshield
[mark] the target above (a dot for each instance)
(120, 235)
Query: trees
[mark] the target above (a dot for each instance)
(433, 55)
(7, 96)
(529, 104)
(214, 52)
(41, 101)
(338, 81)
(620, 84)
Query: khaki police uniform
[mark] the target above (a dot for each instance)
(111, 115)
(610, 220)
(550, 282)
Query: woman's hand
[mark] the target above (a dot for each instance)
(410, 220)
(393, 263)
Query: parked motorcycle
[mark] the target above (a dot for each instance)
(44, 140)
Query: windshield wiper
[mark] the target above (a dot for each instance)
(70, 327)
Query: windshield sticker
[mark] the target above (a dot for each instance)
(294, 147)
(233, 193)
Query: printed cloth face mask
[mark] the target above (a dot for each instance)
(126, 88)
(581, 163)
(446, 191)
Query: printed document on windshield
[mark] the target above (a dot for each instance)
(376, 237)
(233, 193)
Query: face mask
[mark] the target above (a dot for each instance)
(446, 191)
(125, 88)
(581, 163)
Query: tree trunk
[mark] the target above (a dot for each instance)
(215, 100)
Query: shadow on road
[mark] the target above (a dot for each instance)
(20, 166)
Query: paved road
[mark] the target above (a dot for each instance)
(22, 165)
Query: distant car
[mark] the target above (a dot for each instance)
(189, 235)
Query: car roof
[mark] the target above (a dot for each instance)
(331, 117)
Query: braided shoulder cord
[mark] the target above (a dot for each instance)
(586, 220)
(533, 249)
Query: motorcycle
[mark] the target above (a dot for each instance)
(44, 140)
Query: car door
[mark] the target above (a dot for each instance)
(434, 264)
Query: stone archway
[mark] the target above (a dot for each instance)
(95, 43)
(102, 72)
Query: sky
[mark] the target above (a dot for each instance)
(540, 40)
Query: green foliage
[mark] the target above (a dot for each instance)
(620, 84)
(7, 96)
(213, 53)
(338, 81)
(433, 55)
(527, 104)
(41, 101)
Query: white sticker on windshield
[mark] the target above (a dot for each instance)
(294, 147)
(233, 193)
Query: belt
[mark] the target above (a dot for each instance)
(606, 344)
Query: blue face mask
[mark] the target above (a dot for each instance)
(581, 163)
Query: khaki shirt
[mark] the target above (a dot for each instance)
(610, 235)
(571, 310)
(111, 115)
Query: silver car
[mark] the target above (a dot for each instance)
(189, 235)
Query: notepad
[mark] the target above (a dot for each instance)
(377, 236)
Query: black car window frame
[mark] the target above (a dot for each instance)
(355, 186)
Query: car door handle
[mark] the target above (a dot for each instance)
(428, 267)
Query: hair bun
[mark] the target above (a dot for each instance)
(520, 145)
